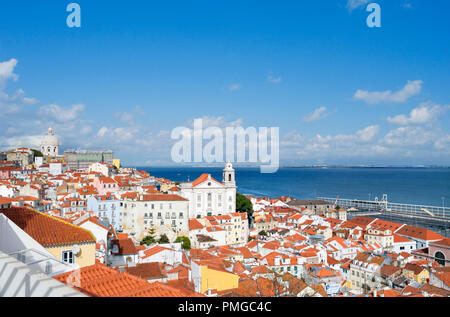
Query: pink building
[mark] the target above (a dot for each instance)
(440, 250)
(105, 185)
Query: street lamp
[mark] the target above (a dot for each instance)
(443, 207)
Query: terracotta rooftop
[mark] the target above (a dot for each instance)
(418, 233)
(47, 230)
(100, 281)
(148, 271)
(126, 246)
(203, 178)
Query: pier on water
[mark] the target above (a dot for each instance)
(434, 218)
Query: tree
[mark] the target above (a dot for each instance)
(338, 208)
(243, 204)
(150, 238)
(163, 239)
(185, 242)
(37, 153)
(263, 233)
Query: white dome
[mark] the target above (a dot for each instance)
(50, 139)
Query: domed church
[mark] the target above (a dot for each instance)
(50, 144)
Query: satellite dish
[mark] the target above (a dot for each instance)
(76, 249)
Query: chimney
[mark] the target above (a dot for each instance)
(190, 275)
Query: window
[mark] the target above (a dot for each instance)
(67, 256)
(440, 258)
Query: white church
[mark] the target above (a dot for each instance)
(209, 197)
(50, 144)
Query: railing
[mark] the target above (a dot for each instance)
(430, 212)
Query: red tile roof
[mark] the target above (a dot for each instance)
(204, 178)
(101, 281)
(126, 246)
(147, 271)
(47, 230)
(419, 233)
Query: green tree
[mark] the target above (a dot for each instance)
(163, 239)
(185, 242)
(243, 204)
(150, 238)
(263, 233)
(37, 153)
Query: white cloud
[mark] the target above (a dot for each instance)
(353, 4)
(412, 88)
(62, 114)
(274, 80)
(368, 134)
(7, 71)
(318, 114)
(425, 113)
(234, 87)
(102, 131)
(220, 122)
(11, 104)
(410, 136)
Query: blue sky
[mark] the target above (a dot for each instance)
(341, 93)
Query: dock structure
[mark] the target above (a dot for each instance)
(383, 207)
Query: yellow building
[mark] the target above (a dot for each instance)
(417, 272)
(116, 163)
(208, 275)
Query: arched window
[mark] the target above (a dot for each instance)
(48, 149)
(440, 258)
(229, 177)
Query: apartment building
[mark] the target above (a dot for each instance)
(166, 213)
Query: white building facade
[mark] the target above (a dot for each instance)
(166, 213)
(209, 197)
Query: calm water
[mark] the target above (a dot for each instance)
(403, 185)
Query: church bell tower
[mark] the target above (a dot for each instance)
(228, 175)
